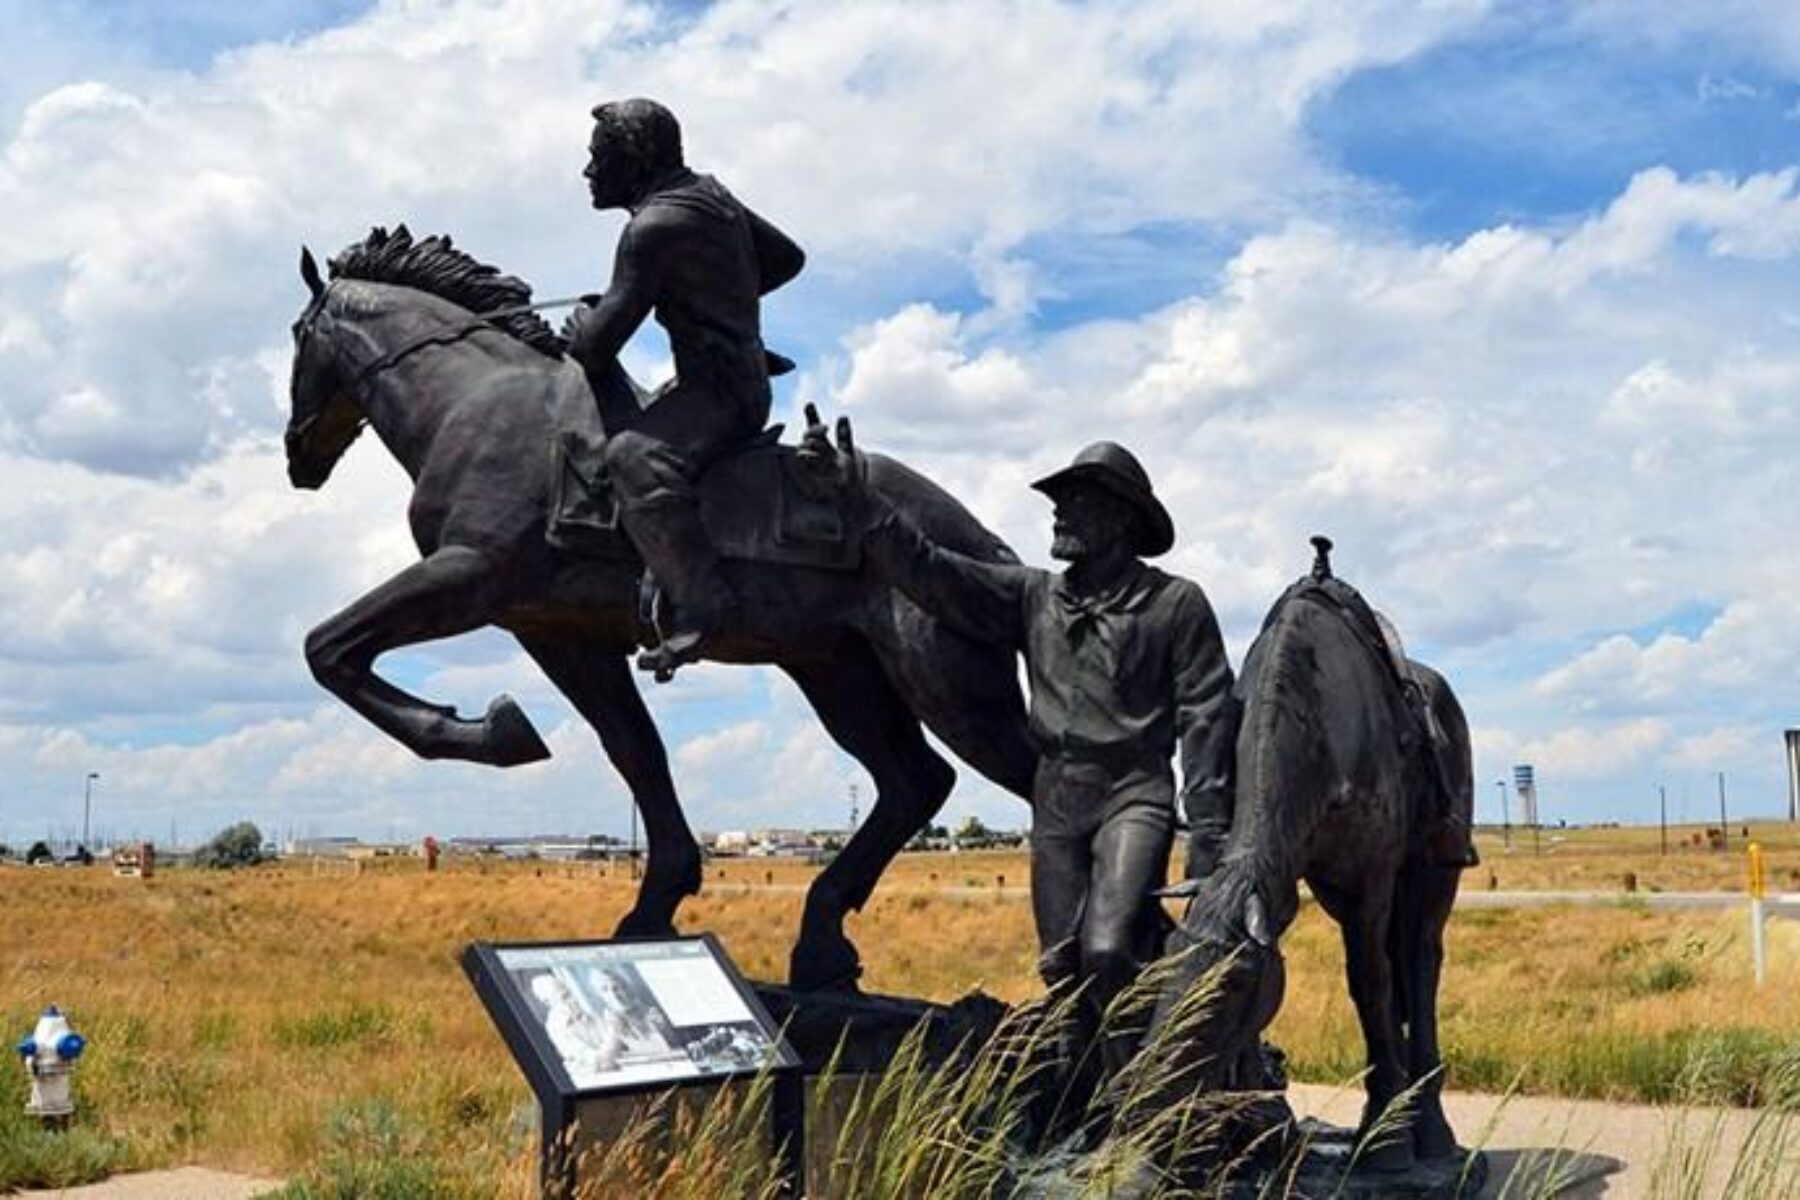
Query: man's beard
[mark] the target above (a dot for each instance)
(1067, 547)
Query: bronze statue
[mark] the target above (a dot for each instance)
(1126, 669)
(470, 405)
(699, 260)
(1337, 784)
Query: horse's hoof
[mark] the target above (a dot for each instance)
(831, 967)
(641, 925)
(1391, 1153)
(512, 739)
(1432, 1136)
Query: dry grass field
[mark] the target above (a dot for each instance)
(275, 1019)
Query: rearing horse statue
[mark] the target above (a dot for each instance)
(468, 406)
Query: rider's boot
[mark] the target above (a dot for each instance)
(668, 533)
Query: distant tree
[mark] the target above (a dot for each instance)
(973, 833)
(39, 853)
(239, 845)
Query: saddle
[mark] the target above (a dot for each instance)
(755, 503)
(1419, 729)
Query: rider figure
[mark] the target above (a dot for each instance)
(700, 261)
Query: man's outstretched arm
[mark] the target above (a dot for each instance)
(978, 599)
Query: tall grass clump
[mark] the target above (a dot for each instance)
(374, 1152)
(973, 1124)
(34, 1157)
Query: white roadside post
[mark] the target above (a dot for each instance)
(1757, 888)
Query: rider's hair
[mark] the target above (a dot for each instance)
(647, 130)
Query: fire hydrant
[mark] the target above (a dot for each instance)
(50, 1053)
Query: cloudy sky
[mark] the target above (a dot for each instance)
(1501, 296)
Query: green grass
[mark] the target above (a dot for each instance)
(34, 1157)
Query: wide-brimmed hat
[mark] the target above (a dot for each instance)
(1113, 467)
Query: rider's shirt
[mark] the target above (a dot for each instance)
(708, 301)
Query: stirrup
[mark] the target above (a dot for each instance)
(675, 651)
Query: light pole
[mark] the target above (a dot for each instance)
(1505, 815)
(87, 807)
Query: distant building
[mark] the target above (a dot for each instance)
(319, 847)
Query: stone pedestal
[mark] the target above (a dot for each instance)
(869, 1029)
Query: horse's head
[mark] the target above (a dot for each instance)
(1225, 985)
(324, 416)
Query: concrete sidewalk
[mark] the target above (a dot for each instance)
(1588, 1148)
(1571, 1149)
(182, 1183)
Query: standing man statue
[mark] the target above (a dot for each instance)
(700, 261)
(1126, 669)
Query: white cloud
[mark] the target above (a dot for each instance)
(1527, 440)
(1596, 751)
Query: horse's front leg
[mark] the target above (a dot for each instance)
(454, 590)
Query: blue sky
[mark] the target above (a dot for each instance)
(1502, 297)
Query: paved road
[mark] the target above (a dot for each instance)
(1787, 904)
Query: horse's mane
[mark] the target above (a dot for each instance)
(1277, 687)
(434, 265)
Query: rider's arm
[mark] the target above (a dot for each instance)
(639, 268)
(982, 600)
(778, 259)
(1205, 716)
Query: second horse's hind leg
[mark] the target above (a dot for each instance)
(1425, 897)
(863, 714)
(598, 682)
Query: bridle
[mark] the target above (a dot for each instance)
(437, 337)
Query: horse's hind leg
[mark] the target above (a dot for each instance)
(598, 682)
(1424, 899)
(863, 714)
(452, 591)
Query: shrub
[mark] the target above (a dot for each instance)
(34, 1157)
(237, 845)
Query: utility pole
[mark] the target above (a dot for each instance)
(1663, 793)
(1724, 823)
(87, 807)
(633, 850)
(1505, 815)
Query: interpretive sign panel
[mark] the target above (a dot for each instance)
(589, 1020)
(620, 1016)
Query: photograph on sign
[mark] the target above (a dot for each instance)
(631, 1013)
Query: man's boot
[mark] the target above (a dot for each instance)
(668, 534)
